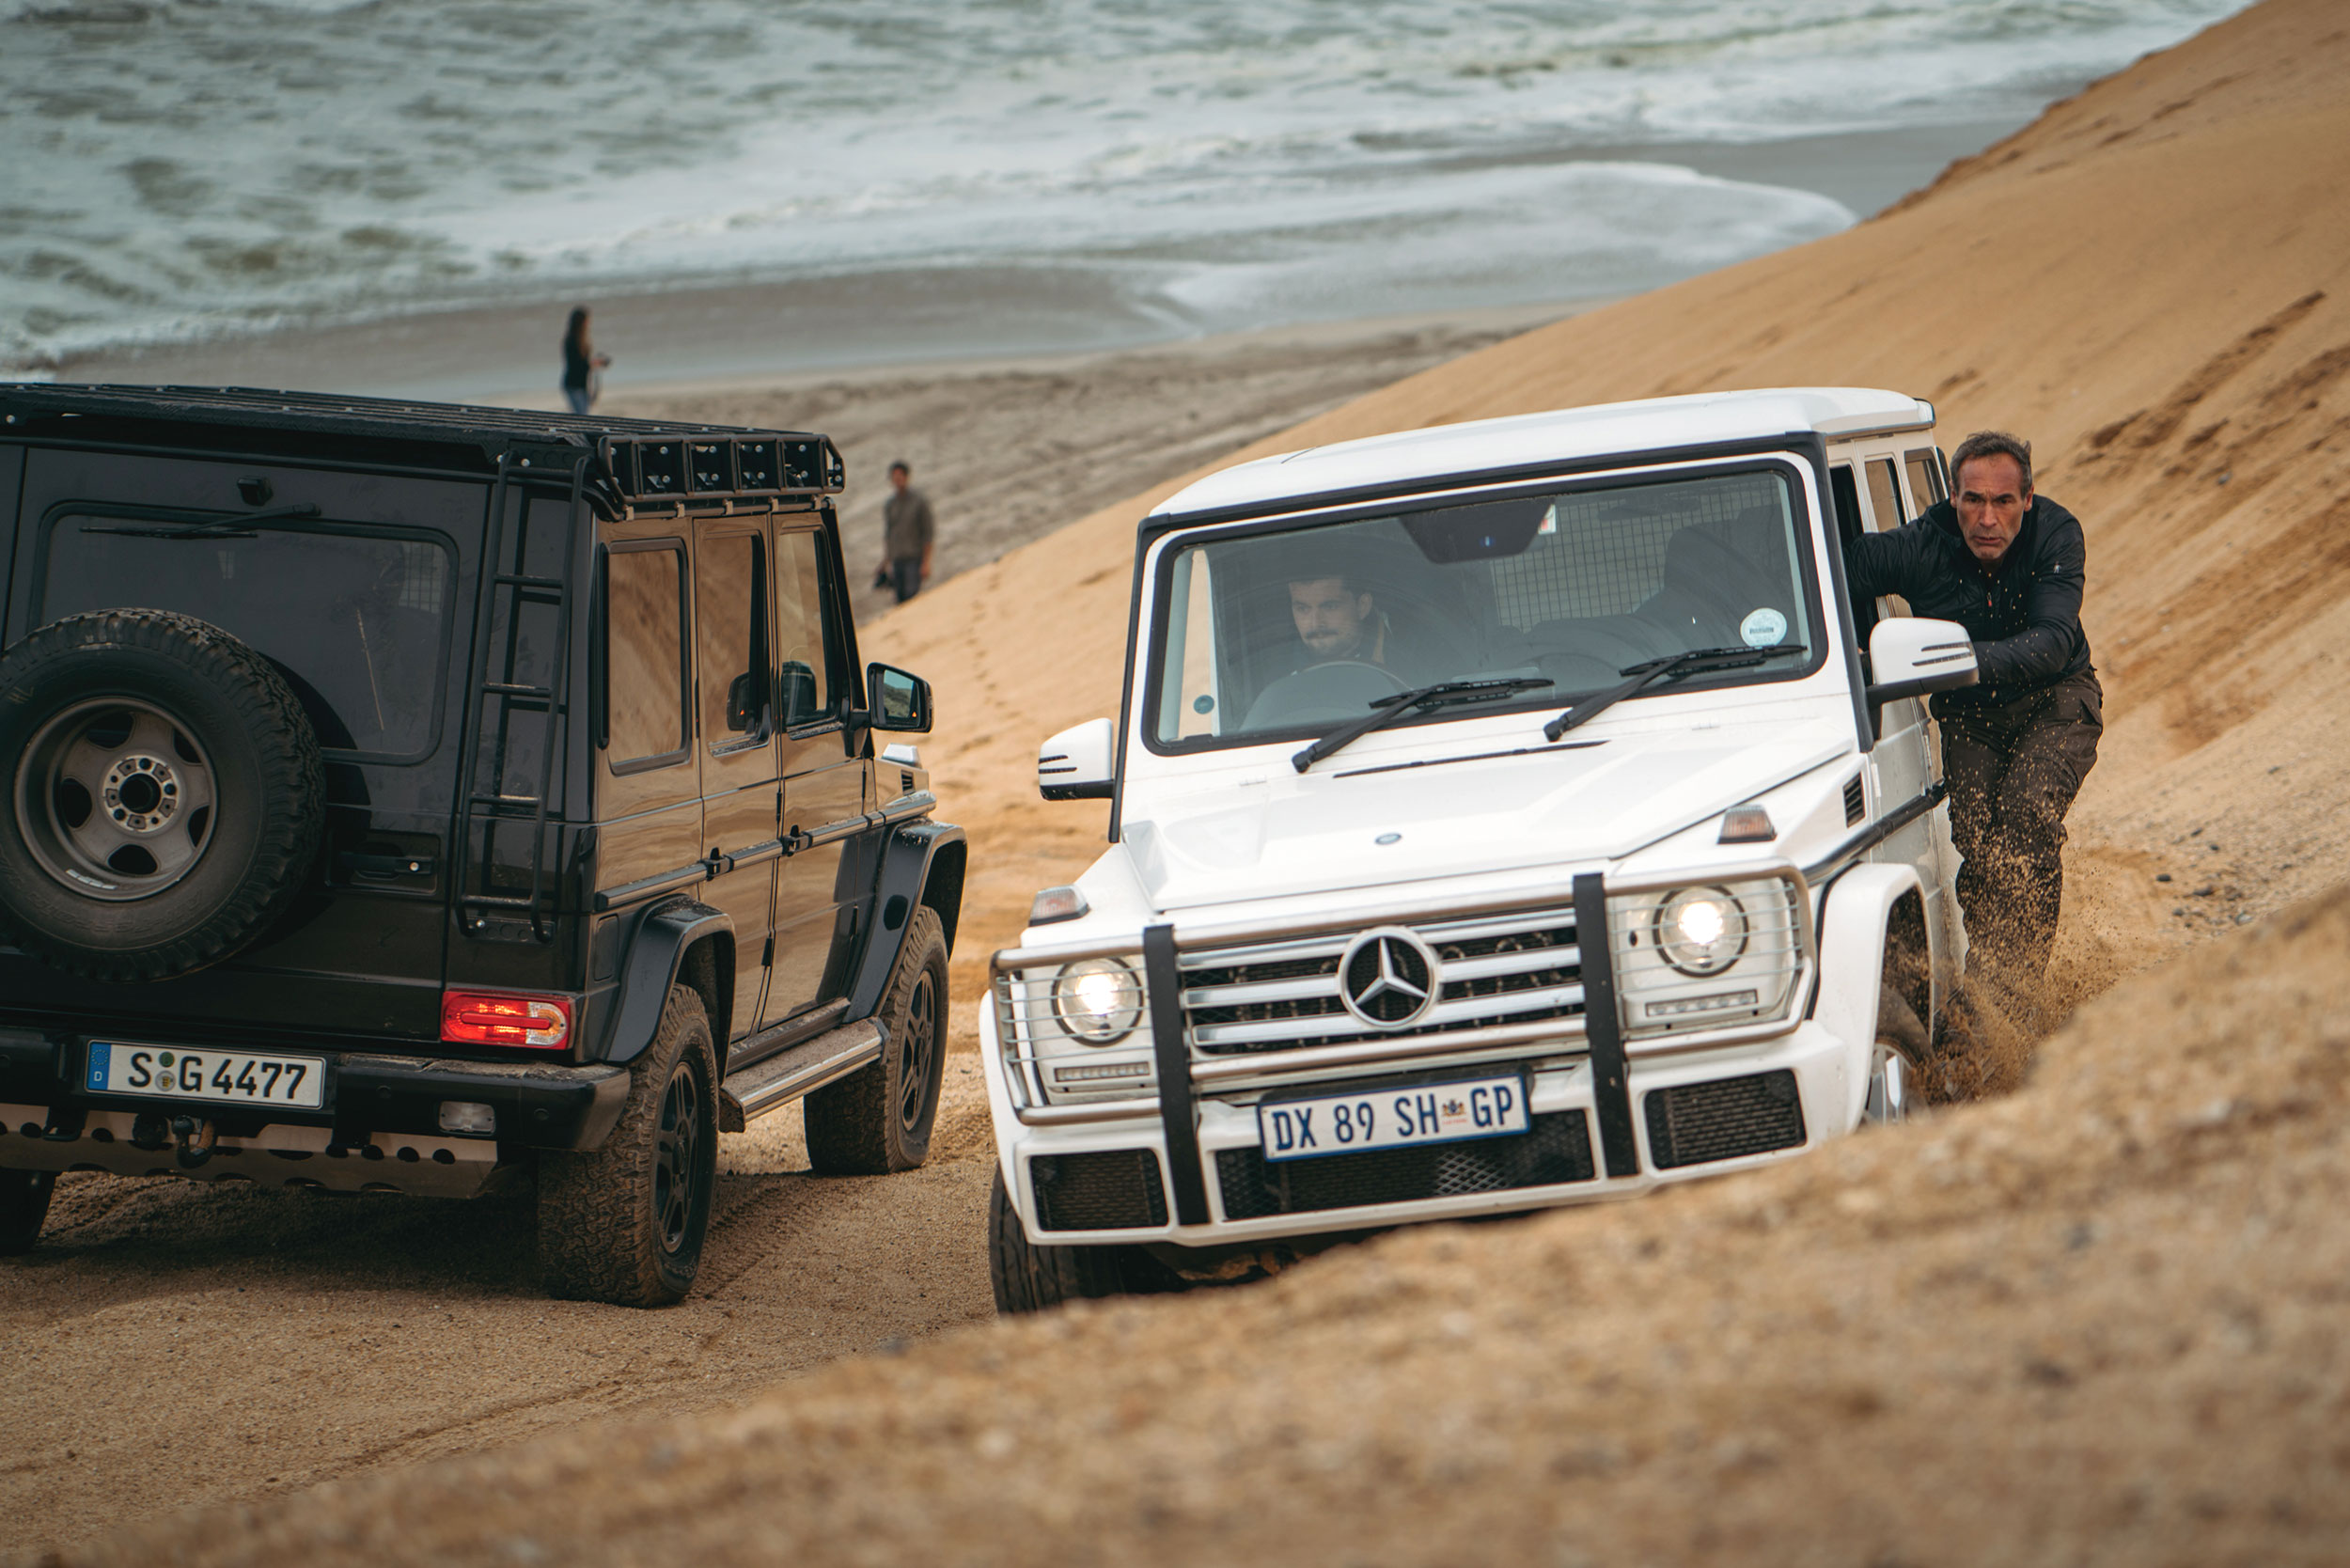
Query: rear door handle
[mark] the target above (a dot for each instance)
(384, 865)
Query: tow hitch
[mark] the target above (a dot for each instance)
(195, 1140)
(193, 1136)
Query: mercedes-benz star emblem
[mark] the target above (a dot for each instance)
(1389, 977)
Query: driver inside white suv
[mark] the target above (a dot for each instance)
(1339, 627)
(1337, 619)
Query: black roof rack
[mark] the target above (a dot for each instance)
(642, 460)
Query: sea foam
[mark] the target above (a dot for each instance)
(178, 170)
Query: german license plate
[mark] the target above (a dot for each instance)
(175, 1073)
(1450, 1112)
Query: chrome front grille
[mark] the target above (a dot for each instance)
(1514, 969)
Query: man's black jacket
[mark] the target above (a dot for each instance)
(2023, 616)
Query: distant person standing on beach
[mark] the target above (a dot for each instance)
(2008, 565)
(907, 531)
(580, 364)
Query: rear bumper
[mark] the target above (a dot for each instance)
(368, 1096)
(277, 1153)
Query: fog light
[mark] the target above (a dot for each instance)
(1094, 1072)
(468, 1117)
(1701, 1004)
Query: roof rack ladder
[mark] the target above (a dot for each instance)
(497, 804)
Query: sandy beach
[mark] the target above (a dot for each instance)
(2097, 1320)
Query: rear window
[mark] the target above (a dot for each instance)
(356, 619)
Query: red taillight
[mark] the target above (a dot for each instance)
(504, 1018)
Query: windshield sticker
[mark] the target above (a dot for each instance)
(1763, 628)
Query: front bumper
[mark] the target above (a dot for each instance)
(1787, 1092)
(1544, 981)
(380, 1125)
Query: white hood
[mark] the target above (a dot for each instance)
(1321, 833)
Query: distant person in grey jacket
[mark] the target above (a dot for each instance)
(2008, 566)
(580, 364)
(907, 533)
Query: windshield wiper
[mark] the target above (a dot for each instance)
(218, 527)
(1386, 710)
(1697, 660)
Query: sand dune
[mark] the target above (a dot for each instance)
(2096, 1321)
(2152, 284)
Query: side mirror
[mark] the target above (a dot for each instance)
(743, 703)
(901, 701)
(1079, 763)
(1912, 656)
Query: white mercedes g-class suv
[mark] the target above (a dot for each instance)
(1504, 815)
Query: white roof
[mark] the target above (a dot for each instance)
(1562, 435)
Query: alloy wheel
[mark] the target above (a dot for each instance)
(918, 1052)
(675, 1147)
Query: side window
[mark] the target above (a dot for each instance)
(1846, 497)
(1884, 494)
(804, 685)
(1190, 693)
(1925, 476)
(644, 642)
(1846, 494)
(731, 637)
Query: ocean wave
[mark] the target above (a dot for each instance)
(177, 169)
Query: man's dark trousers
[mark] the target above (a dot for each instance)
(906, 577)
(2013, 768)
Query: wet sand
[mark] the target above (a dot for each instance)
(908, 317)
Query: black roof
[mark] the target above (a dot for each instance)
(796, 462)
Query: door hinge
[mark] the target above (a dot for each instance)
(767, 959)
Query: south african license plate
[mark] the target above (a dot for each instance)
(177, 1073)
(1392, 1118)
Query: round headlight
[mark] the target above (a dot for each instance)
(1701, 931)
(1097, 1000)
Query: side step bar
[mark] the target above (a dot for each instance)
(774, 1082)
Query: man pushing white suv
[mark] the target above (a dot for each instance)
(1505, 815)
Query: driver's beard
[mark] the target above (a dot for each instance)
(1330, 646)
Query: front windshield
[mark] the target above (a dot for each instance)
(1286, 631)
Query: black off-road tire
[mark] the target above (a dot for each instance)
(234, 720)
(1031, 1279)
(624, 1223)
(878, 1119)
(23, 1205)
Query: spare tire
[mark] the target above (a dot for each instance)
(165, 795)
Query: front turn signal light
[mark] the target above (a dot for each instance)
(506, 1018)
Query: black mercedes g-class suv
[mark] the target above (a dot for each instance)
(407, 796)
